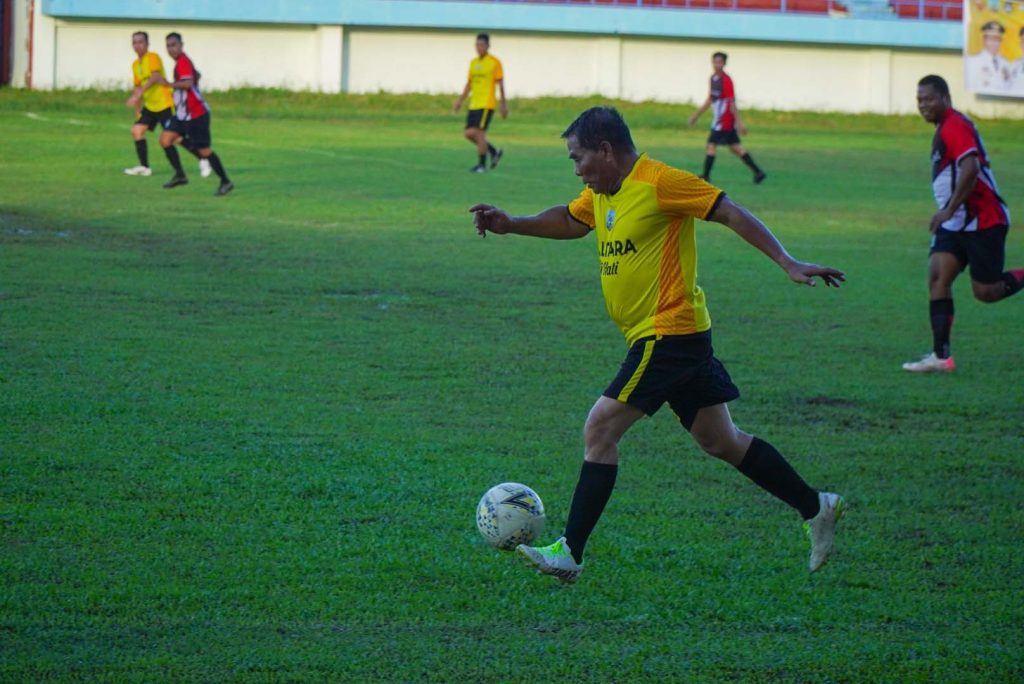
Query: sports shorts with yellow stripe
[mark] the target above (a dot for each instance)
(678, 369)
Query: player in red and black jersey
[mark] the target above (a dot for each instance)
(726, 121)
(969, 229)
(191, 120)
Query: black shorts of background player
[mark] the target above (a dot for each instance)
(726, 126)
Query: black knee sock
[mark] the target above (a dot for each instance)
(483, 159)
(593, 490)
(172, 156)
(217, 167)
(941, 312)
(769, 470)
(143, 152)
(709, 161)
(1014, 281)
(492, 149)
(750, 162)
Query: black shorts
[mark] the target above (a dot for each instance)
(983, 250)
(479, 118)
(679, 369)
(196, 130)
(150, 119)
(724, 137)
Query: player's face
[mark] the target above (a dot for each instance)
(139, 44)
(596, 168)
(481, 47)
(992, 43)
(718, 63)
(930, 103)
(174, 48)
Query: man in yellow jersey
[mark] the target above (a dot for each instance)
(641, 212)
(151, 99)
(484, 75)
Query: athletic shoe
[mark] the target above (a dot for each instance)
(139, 171)
(759, 177)
(204, 168)
(479, 168)
(497, 157)
(224, 189)
(821, 529)
(552, 560)
(930, 364)
(176, 180)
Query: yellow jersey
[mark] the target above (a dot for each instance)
(156, 97)
(484, 74)
(648, 250)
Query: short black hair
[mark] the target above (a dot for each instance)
(937, 82)
(725, 57)
(598, 125)
(484, 37)
(174, 34)
(144, 35)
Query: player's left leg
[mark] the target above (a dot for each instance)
(168, 139)
(716, 434)
(986, 254)
(709, 159)
(740, 152)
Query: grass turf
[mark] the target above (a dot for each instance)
(244, 437)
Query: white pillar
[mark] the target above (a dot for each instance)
(330, 41)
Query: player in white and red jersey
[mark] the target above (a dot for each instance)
(191, 120)
(726, 121)
(969, 229)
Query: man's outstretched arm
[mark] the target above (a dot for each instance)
(554, 223)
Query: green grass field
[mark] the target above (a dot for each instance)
(243, 438)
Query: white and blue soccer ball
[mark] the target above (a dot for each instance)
(510, 514)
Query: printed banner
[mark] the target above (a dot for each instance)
(994, 47)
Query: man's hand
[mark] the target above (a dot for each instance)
(457, 105)
(804, 274)
(488, 218)
(133, 101)
(742, 129)
(692, 120)
(504, 110)
(940, 217)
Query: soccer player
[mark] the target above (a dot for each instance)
(969, 229)
(151, 99)
(485, 74)
(641, 213)
(725, 121)
(191, 120)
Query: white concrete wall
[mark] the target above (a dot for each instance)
(324, 58)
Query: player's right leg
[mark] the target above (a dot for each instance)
(740, 152)
(709, 159)
(141, 150)
(944, 264)
(168, 139)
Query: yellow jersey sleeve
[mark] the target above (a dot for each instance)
(582, 208)
(499, 75)
(681, 194)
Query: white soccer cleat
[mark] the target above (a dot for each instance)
(204, 168)
(821, 529)
(139, 171)
(930, 364)
(555, 560)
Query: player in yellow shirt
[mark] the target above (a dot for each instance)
(485, 74)
(151, 99)
(641, 212)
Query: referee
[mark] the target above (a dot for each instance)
(641, 212)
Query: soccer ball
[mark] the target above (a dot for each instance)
(510, 514)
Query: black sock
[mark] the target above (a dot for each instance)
(492, 149)
(750, 162)
(483, 159)
(709, 161)
(769, 470)
(1014, 281)
(143, 152)
(593, 490)
(172, 156)
(941, 312)
(217, 167)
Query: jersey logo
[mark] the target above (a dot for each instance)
(609, 219)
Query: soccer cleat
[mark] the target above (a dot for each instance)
(930, 363)
(176, 180)
(497, 157)
(553, 560)
(204, 168)
(759, 177)
(224, 189)
(821, 529)
(139, 171)
(479, 168)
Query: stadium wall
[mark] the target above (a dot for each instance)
(779, 61)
